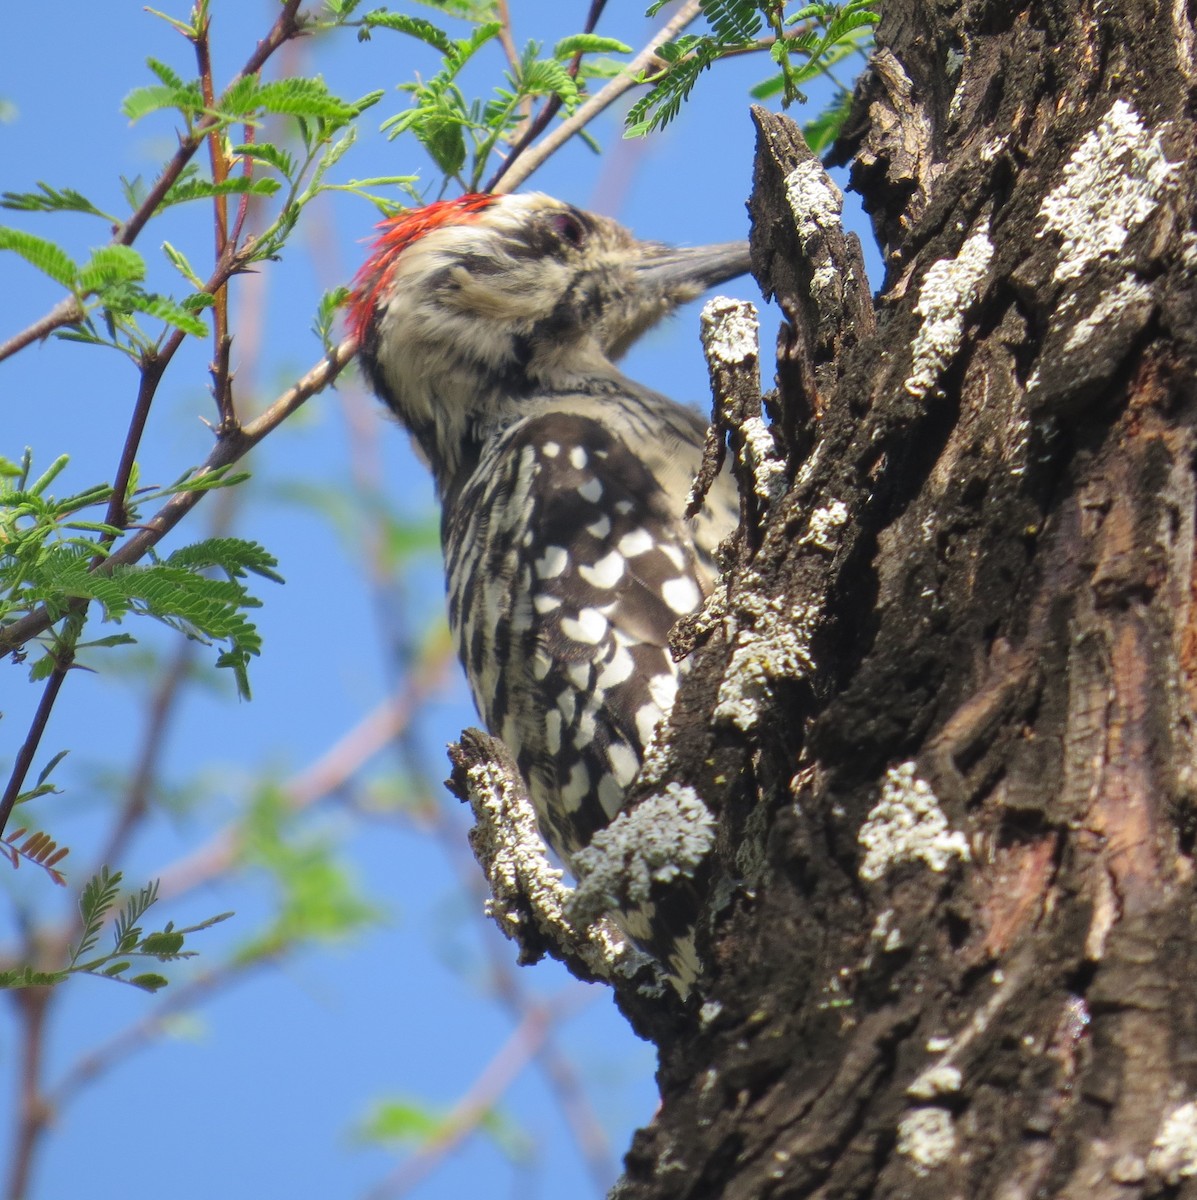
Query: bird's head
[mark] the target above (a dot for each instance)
(466, 310)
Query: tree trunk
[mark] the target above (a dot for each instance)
(946, 717)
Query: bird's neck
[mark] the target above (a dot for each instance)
(454, 409)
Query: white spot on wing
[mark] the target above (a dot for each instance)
(634, 543)
(647, 716)
(605, 573)
(591, 490)
(552, 562)
(674, 554)
(624, 762)
(589, 626)
(610, 795)
(575, 789)
(577, 458)
(618, 670)
(681, 594)
(552, 730)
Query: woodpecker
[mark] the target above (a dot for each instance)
(490, 326)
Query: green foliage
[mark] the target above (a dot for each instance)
(50, 555)
(404, 1122)
(805, 43)
(98, 904)
(318, 900)
(459, 132)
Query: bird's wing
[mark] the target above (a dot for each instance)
(564, 629)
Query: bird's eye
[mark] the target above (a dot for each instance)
(569, 228)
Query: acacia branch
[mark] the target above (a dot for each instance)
(534, 128)
(516, 171)
(70, 310)
(230, 448)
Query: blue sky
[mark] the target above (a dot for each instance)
(257, 1090)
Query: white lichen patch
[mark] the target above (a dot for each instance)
(950, 288)
(813, 199)
(1173, 1155)
(775, 644)
(939, 1080)
(907, 825)
(730, 330)
(759, 455)
(1112, 184)
(824, 524)
(513, 854)
(927, 1137)
(666, 836)
(1125, 297)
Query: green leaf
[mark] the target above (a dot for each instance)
(50, 474)
(271, 155)
(113, 639)
(399, 1121)
(241, 99)
(734, 22)
(50, 199)
(165, 74)
(110, 265)
(179, 261)
(304, 98)
(234, 556)
(416, 27)
(547, 76)
(589, 43)
(162, 945)
(48, 258)
(45, 773)
(165, 309)
(28, 977)
(205, 189)
(98, 896)
(330, 305)
(825, 128)
(142, 101)
(148, 982)
(220, 478)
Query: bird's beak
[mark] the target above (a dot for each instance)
(678, 275)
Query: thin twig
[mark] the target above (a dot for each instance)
(551, 107)
(489, 1086)
(134, 1037)
(37, 727)
(514, 173)
(506, 40)
(227, 451)
(331, 771)
(224, 249)
(35, 1110)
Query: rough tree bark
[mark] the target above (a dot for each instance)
(945, 711)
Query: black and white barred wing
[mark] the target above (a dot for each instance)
(581, 566)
